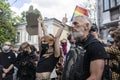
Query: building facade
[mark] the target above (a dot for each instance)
(52, 25)
(108, 15)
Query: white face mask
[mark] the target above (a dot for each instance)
(110, 39)
(5, 48)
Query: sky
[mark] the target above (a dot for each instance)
(48, 8)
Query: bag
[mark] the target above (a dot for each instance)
(77, 69)
(107, 73)
(70, 60)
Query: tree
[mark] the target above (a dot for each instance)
(7, 29)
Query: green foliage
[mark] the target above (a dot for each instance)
(7, 29)
(23, 16)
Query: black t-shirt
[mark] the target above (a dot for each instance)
(47, 64)
(94, 51)
(6, 59)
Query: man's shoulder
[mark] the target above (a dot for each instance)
(1, 53)
(95, 44)
(97, 51)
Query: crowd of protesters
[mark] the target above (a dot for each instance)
(53, 57)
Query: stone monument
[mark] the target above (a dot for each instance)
(32, 23)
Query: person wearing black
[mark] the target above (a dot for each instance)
(70, 58)
(7, 60)
(114, 52)
(50, 50)
(95, 55)
(1, 68)
(25, 62)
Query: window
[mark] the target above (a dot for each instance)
(112, 3)
(18, 37)
(118, 2)
(115, 13)
(106, 4)
(29, 37)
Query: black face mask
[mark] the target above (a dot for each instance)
(45, 46)
(26, 52)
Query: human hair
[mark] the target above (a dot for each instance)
(49, 38)
(69, 37)
(63, 40)
(33, 48)
(23, 46)
(116, 34)
(7, 43)
(112, 29)
(85, 19)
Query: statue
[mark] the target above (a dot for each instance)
(32, 23)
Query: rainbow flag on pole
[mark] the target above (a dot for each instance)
(78, 11)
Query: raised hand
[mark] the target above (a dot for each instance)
(64, 20)
(40, 20)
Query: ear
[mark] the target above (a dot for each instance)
(87, 26)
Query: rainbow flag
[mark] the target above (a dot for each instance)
(78, 11)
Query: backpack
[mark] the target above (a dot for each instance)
(107, 73)
(70, 59)
(77, 69)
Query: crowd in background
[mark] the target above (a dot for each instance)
(53, 61)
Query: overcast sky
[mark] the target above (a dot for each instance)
(48, 8)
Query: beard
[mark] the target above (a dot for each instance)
(77, 35)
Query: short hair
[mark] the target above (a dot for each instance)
(85, 19)
(8, 43)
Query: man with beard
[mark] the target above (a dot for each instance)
(94, 56)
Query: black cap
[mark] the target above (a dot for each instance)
(94, 27)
